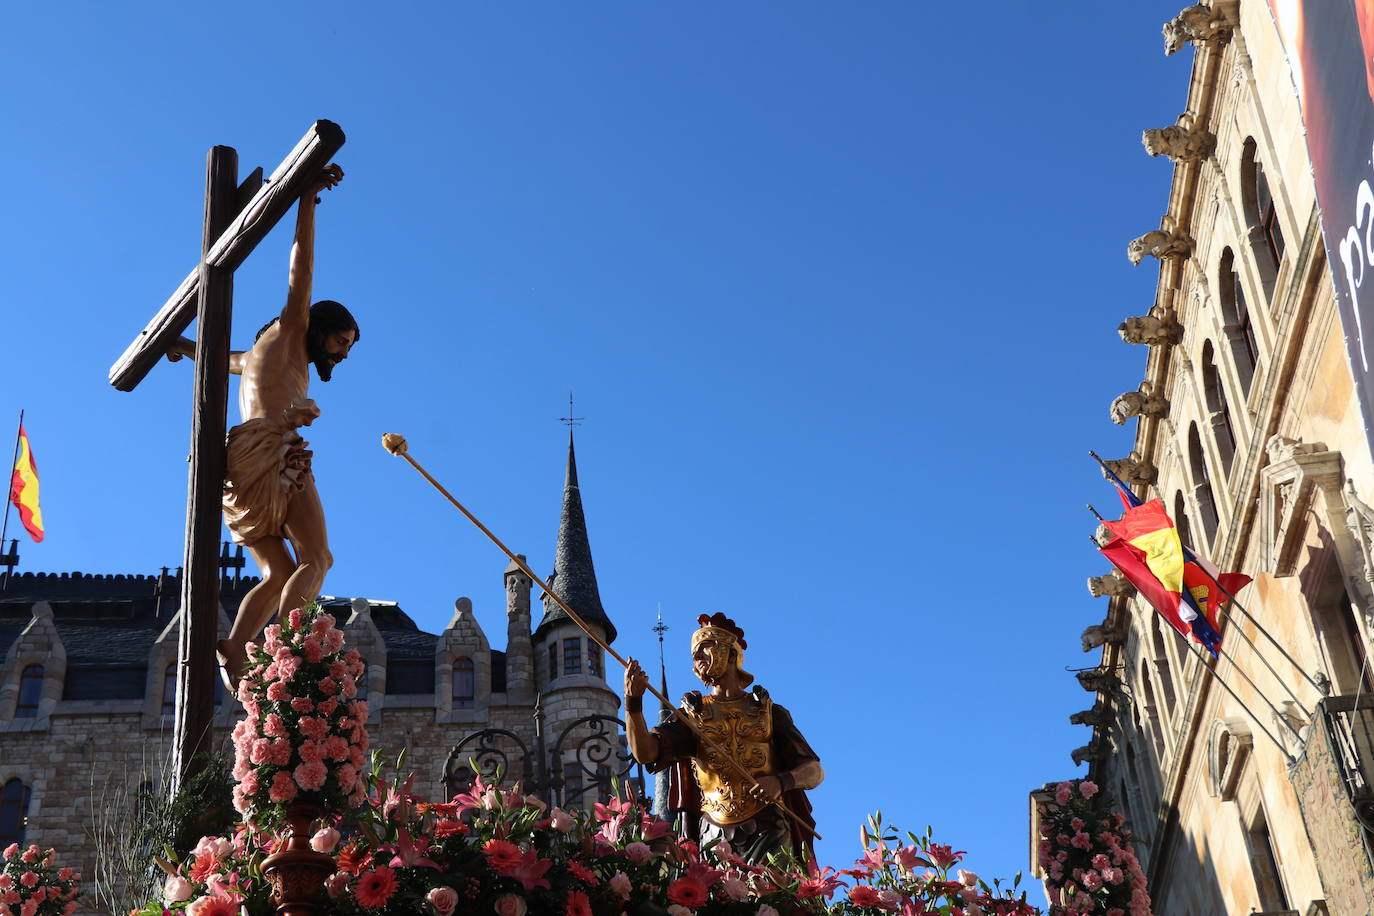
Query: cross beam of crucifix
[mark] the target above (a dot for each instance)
(237, 217)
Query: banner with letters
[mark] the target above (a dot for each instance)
(1330, 49)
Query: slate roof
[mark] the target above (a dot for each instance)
(574, 576)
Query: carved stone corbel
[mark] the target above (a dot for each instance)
(1098, 635)
(1150, 330)
(1132, 469)
(1094, 680)
(1112, 585)
(1196, 23)
(1138, 403)
(1099, 715)
(1181, 142)
(1161, 244)
(1095, 749)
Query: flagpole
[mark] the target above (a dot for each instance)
(5, 526)
(1240, 631)
(1224, 590)
(1202, 659)
(397, 445)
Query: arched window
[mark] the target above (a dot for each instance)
(1261, 217)
(169, 690)
(464, 683)
(1181, 523)
(1152, 711)
(1240, 332)
(1161, 660)
(1202, 486)
(14, 812)
(30, 692)
(1215, 393)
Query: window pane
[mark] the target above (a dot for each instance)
(14, 811)
(30, 692)
(572, 656)
(464, 683)
(169, 690)
(593, 658)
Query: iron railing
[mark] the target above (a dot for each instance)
(1350, 723)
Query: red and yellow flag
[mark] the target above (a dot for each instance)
(1147, 550)
(24, 489)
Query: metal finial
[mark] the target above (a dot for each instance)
(570, 420)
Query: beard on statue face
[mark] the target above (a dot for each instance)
(324, 360)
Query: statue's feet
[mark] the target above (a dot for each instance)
(230, 664)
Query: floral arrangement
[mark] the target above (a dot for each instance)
(497, 851)
(304, 736)
(31, 884)
(1085, 852)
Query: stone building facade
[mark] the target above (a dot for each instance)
(1247, 781)
(87, 689)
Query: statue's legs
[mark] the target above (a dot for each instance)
(258, 606)
(305, 528)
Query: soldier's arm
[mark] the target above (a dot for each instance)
(295, 314)
(643, 743)
(185, 346)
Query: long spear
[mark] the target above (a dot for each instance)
(397, 445)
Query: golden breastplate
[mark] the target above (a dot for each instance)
(739, 730)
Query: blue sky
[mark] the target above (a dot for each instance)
(835, 285)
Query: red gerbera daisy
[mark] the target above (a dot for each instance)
(582, 873)
(687, 892)
(578, 904)
(375, 888)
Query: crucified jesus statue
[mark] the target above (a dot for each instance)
(269, 497)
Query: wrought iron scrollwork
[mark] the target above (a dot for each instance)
(488, 750)
(588, 753)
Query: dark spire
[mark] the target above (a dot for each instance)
(574, 576)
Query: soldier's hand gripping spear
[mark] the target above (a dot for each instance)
(396, 445)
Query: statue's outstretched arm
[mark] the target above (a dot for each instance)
(185, 346)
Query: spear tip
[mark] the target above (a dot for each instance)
(395, 443)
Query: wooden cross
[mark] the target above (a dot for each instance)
(237, 217)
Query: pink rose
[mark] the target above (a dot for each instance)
(506, 904)
(336, 884)
(1088, 788)
(638, 853)
(444, 900)
(176, 888)
(325, 840)
(620, 886)
(1062, 796)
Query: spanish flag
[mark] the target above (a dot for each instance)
(24, 489)
(1147, 551)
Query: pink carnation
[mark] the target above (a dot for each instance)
(1088, 788)
(276, 691)
(283, 788)
(275, 726)
(314, 650)
(328, 686)
(281, 752)
(327, 706)
(296, 618)
(311, 776)
(312, 751)
(301, 704)
(287, 667)
(314, 727)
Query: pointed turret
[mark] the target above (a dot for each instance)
(574, 576)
